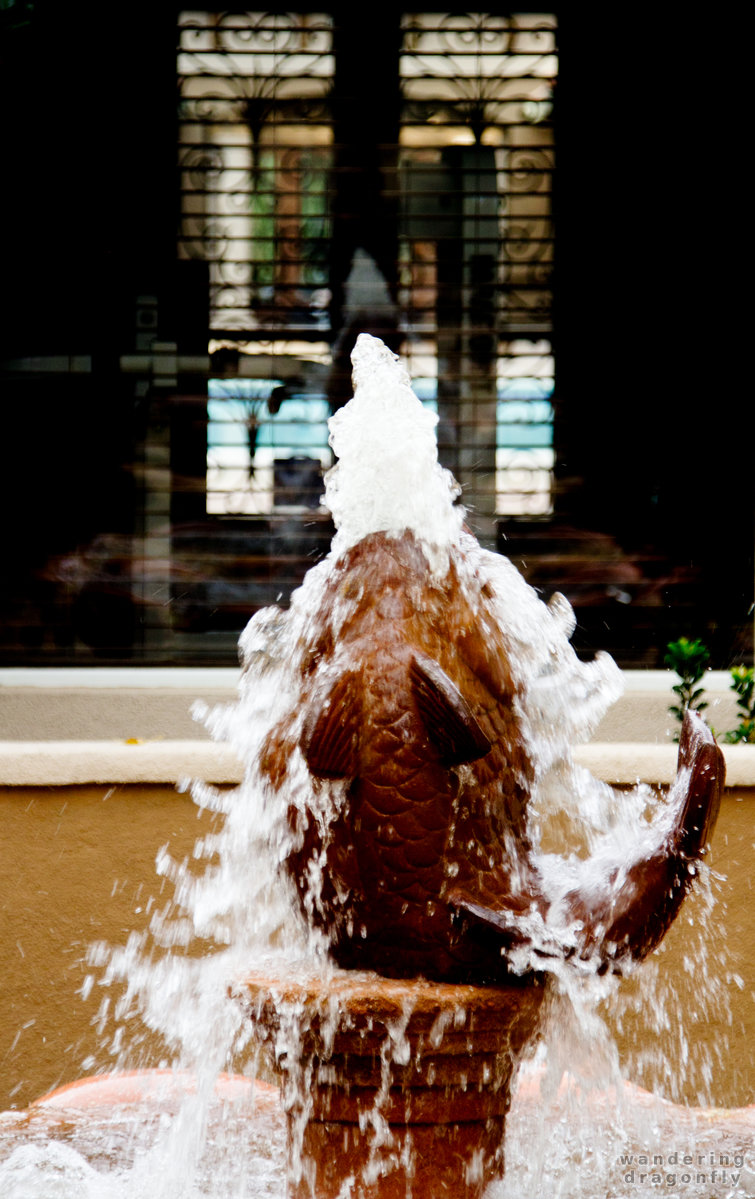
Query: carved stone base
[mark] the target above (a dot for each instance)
(401, 1086)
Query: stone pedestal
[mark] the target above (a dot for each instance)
(400, 1086)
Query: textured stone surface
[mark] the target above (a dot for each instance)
(408, 1082)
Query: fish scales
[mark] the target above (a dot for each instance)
(408, 701)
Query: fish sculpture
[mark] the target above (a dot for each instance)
(410, 844)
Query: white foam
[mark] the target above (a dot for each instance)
(388, 478)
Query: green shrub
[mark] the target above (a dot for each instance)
(689, 660)
(743, 682)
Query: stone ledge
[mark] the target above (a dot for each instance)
(67, 763)
(630, 762)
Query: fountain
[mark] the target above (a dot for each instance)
(405, 760)
(378, 909)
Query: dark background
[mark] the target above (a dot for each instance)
(652, 400)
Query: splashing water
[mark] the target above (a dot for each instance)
(233, 909)
(388, 477)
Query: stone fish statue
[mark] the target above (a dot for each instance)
(408, 716)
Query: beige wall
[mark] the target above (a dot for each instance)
(78, 866)
(153, 704)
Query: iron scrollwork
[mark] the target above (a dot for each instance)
(248, 84)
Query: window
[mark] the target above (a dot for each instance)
(254, 158)
(465, 180)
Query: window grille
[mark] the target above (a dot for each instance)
(254, 161)
(468, 303)
(477, 163)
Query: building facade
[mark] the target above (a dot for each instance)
(205, 208)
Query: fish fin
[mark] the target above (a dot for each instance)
(330, 736)
(629, 918)
(699, 753)
(515, 921)
(446, 714)
(500, 919)
(499, 913)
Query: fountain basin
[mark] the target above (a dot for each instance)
(708, 1150)
(159, 1087)
(406, 1083)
